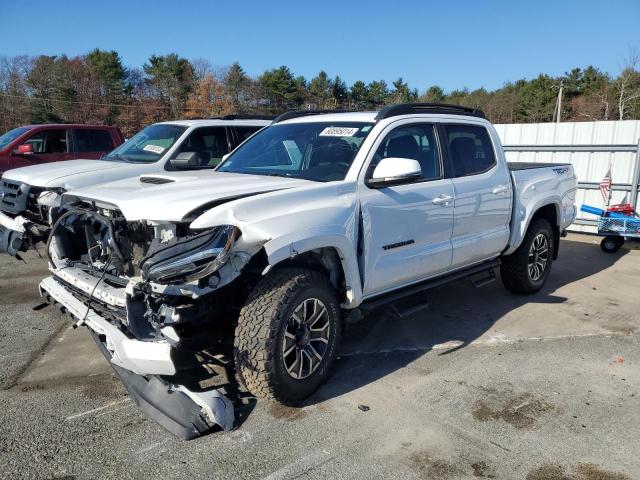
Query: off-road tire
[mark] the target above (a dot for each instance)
(259, 335)
(611, 244)
(514, 269)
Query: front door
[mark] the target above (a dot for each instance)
(48, 146)
(406, 229)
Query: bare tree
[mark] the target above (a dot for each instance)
(628, 84)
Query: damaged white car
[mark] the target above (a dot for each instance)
(313, 217)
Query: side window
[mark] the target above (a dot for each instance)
(94, 140)
(470, 148)
(245, 132)
(210, 143)
(417, 142)
(49, 141)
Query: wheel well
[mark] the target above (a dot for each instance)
(550, 214)
(324, 260)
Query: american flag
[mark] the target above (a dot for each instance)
(605, 186)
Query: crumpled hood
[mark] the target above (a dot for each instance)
(183, 193)
(83, 172)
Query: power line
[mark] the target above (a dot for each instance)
(84, 103)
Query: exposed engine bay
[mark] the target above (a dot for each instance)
(154, 295)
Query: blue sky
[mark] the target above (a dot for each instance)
(453, 44)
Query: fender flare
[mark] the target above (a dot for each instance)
(292, 245)
(521, 226)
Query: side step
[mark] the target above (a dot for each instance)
(486, 268)
(489, 277)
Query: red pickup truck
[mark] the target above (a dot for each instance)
(35, 144)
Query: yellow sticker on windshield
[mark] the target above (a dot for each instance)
(338, 132)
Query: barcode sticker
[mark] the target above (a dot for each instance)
(338, 132)
(153, 148)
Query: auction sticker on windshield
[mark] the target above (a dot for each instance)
(338, 132)
(153, 148)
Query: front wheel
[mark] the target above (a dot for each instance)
(527, 269)
(287, 336)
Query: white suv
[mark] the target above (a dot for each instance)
(28, 194)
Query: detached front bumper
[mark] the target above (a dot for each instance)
(140, 365)
(13, 237)
(144, 358)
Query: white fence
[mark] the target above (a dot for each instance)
(590, 147)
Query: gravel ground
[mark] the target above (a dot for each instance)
(479, 384)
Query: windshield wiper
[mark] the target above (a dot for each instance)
(116, 157)
(276, 174)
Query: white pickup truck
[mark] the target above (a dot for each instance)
(313, 217)
(30, 195)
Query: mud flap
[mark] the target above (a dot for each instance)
(173, 409)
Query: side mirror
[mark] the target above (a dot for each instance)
(26, 149)
(224, 157)
(185, 161)
(394, 171)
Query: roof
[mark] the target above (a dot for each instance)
(368, 117)
(67, 125)
(216, 121)
(419, 109)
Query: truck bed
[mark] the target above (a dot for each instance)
(528, 165)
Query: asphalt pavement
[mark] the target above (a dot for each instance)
(479, 383)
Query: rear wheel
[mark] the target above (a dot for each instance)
(527, 269)
(287, 335)
(611, 244)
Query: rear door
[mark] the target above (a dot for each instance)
(406, 229)
(482, 190)
(92, 143)
(49, 145)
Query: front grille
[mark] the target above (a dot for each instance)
(156, 180)
(14, 196)
(19, 199)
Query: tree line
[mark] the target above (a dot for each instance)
(98, 88)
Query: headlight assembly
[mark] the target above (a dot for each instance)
(188, 259)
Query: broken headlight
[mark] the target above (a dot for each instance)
(190, 258)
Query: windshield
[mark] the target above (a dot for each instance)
(148, 145)
(11, 135)
(318, 151)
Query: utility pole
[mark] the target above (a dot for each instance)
(558, 113)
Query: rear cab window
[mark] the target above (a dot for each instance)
(93, 140)
(470, 149)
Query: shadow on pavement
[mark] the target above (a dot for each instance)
(384, 342)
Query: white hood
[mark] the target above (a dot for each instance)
(186, 192)
(73, 173)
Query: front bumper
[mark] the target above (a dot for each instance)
(144, 358)
(185, 413)
(13, 237)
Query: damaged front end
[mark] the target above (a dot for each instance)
(26, 213)
(156, 298)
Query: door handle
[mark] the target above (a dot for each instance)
(500, 189)
(442, 200)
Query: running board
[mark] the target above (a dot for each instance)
(490, 277)
(487, 267)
